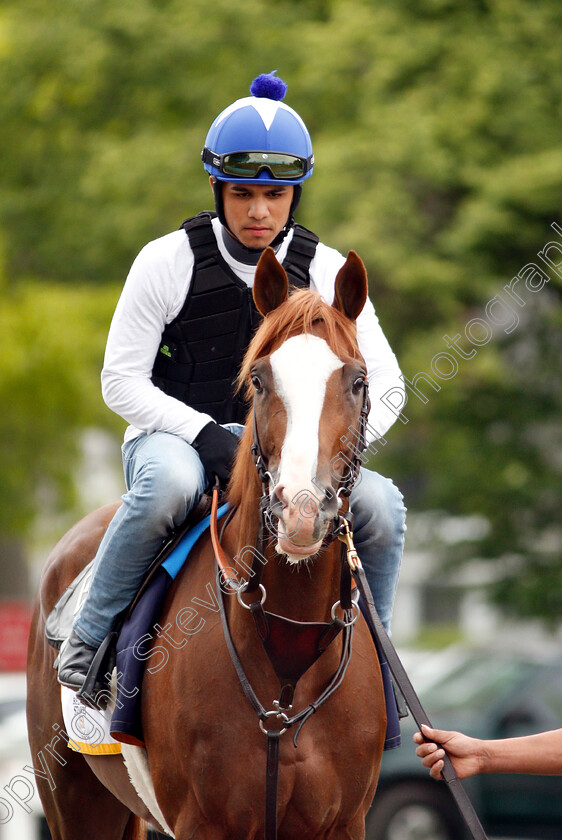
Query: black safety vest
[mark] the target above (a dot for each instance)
(201, 350)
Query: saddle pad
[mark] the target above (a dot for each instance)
(87, 729)
(88, 733)
(137, 633)
(177, 557)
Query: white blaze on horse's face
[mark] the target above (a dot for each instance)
(301, 368)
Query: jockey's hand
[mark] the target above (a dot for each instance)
(216, 447)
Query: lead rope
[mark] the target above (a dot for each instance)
(403, 682)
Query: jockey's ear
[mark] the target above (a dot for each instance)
(351, 287)
(271, 285)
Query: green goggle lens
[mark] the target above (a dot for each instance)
(250, 164)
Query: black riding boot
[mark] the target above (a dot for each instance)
(74, 661)
(83, 669)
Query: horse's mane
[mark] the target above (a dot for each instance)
(303, 312)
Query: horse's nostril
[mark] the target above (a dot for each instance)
(329, 501)
(280, 495)
(276, 503)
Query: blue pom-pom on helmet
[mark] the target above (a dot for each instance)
(269, 85)
(259, 139)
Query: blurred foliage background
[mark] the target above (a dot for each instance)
(437, 131)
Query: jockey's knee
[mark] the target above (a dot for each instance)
(378, 508)
(164, 491)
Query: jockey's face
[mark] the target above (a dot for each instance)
(256, 214)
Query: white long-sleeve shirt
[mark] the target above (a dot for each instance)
(153, 296)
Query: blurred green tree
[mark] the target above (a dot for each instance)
(50, 340)
(438, 139)
(51, 337)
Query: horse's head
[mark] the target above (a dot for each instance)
(308, 381)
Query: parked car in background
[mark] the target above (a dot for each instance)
(487, 695)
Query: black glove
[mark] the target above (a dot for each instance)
(216, 447)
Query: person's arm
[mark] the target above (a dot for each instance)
(536, 754)
(152, 296)
(386, 388)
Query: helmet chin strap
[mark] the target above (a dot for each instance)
(219, 207)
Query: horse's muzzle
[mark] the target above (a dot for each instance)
(303, 519)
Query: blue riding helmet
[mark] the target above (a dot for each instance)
(259, 139)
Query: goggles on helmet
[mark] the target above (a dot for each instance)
(282, 166)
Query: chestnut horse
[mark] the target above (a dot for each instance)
(207, 754)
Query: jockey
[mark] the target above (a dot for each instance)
(178, 335)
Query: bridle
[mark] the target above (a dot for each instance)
(347, 482)
(346, 485)
(341, 528)
(311, 638)
(342, 523)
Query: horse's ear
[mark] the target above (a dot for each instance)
(271, 286)
(351, 287)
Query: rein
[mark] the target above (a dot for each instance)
(291, 646)
(280, 636)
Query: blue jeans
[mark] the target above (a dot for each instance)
(165, 480)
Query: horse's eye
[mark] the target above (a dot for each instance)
(358, 384)
(257, 383)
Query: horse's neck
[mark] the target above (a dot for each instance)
(305, 591)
